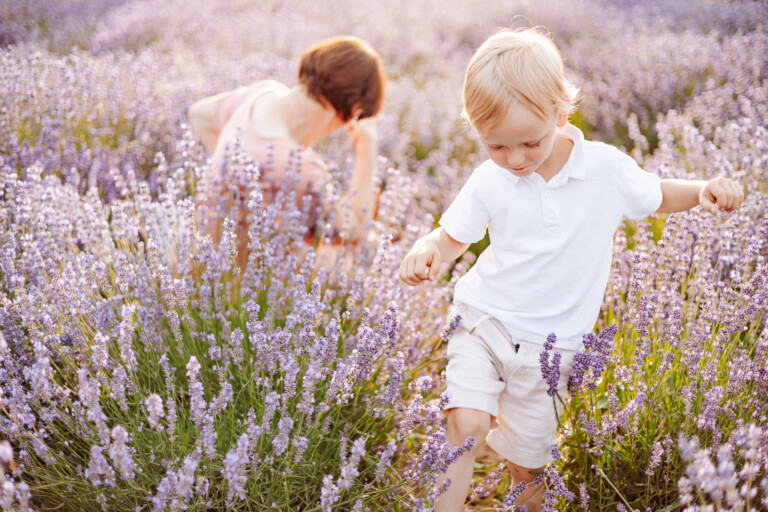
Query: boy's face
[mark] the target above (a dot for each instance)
(522, 142)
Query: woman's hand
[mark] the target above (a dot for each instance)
(363, 133)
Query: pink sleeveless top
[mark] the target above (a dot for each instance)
(275, 155)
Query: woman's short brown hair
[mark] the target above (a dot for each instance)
(345, 73)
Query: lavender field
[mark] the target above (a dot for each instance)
(140, 369)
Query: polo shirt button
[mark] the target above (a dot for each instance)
(551, 215)
(547, 193)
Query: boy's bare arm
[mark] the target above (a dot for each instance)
(423, 261)
(719, 194)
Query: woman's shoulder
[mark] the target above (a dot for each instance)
(269, 85)
(245, 96)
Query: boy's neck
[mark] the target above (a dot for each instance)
(557, 159)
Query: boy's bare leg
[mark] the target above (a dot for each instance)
(462, 423)
(533, 495)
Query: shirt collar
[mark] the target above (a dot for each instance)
(573, 168)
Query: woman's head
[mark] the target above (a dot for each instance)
(346, 74)
(522, 66)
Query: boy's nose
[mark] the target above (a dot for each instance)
(515, 158)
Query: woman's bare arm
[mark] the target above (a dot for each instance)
(357, 207)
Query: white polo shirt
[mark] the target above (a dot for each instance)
(548, 263)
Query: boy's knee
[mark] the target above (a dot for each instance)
(463, 423)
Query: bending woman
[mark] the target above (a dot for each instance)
(341, 84)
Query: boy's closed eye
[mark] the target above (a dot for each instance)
(531, 145)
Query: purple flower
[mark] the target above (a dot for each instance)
(622, 418)
(176, 486)
(584, 497)
(301, 443)
(554, 451)
(23, 496)
(154, 405)
(99, 471)
(708, 417)
(436, 454)
(385, 460)
(511, 498)
(358, 448)
(121, 453)
(556, 485)
(193, 367)
(119, 384)
(589, 365)
(550, 370)
(329, 494)
(411, 416)
(100, 350)
(209, 435)
(125, 340)
(490, 484)
(656, 454)
(234, 473)
(222, 399)
(550, 341)
(452, 326)
(88, 392)
(202, 486)
(280, 442)
(392, 391)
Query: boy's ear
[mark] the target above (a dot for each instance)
(562, 119)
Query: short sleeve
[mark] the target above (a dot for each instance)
(639, 190)
(466, 219)
(226, 105)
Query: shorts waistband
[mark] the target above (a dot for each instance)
(472, 318)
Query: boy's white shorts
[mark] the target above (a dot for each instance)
(486, 372)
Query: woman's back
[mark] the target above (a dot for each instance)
(243, 116)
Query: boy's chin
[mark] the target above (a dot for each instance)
(521, 173)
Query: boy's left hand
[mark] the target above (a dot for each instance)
(721, 194)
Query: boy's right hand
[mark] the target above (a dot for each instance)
(422, 263)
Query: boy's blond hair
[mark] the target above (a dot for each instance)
(521, 66)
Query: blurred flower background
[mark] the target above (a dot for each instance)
(140, 369)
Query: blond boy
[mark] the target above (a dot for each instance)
(551, 202)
